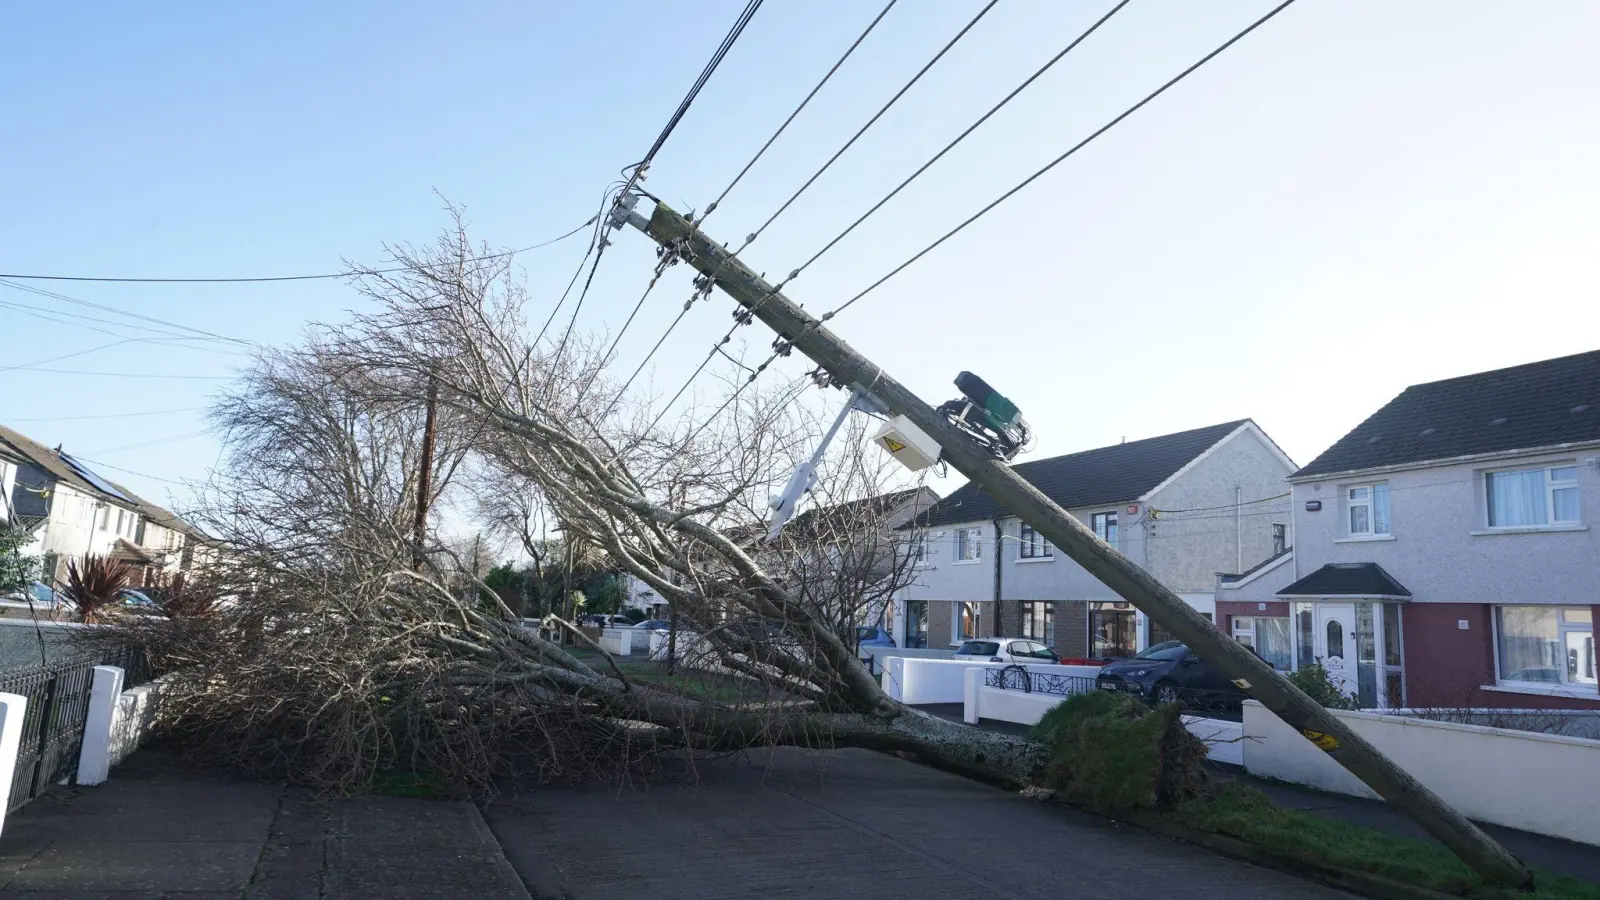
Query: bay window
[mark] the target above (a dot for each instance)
(1367, 510)
(1529, 498)
(1548, 645)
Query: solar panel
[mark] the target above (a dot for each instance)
(100, 483)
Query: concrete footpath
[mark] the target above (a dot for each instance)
(845, 824)
(160, 830)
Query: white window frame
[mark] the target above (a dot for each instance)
(1370, 503)
(1032, 546)
(1550, 488)
(1563, 627)
(917, 553)
(968, 539)
(1101, 524)
(1244, 626)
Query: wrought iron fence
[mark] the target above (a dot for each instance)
(58, 705)
(1017, 678)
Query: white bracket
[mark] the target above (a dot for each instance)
(804, 477)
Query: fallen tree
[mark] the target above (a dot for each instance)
(340, 660)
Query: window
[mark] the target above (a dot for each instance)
(917, 552)
(969, 544)
(1367, 509)
(1034, 546)
(966, 621)
(1267, 635)
(105, 518)
(1532, 497)
(1105, 527)
(1039, 621)
(916, 623)
(1111, 630)
(1305, 646)
(1280, 538)
(1546, 644)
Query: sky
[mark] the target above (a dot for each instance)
(1360, 195)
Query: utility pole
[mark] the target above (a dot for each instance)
(1155, 600)
(425, 476)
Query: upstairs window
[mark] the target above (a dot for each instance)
(1529, 498)
(1367, 509)
(1280, 538)
(1105, 527)
(969, 544)
(1034, 546)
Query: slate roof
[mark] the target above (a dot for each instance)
(45, 458)
(1347, 580)
(1540, 404)
(1104, 476)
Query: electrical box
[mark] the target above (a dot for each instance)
(907, 443)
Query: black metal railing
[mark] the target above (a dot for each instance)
(1017, 678)
(58, 706)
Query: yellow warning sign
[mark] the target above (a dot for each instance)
(893, 445)
(1325, 742)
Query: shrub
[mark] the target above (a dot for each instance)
(94, 585)
(1112, 752)
(1318, 685)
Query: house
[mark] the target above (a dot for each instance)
(72, 512)
(1443, 553)
(1183, 506)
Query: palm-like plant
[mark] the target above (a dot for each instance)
(94, 584)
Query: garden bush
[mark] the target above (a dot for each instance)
(1110, 752)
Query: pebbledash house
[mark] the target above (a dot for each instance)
(1443, 552)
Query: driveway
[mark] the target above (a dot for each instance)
(791, 824)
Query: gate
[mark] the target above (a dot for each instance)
(58, 705)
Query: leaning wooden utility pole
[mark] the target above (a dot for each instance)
(1073, 538)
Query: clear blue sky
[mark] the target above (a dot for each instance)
(1361, 195)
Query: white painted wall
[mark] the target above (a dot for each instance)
(8, 483)
(915, 681)
(1535, 782)
(13, 715)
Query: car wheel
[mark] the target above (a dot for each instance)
(1166, 693)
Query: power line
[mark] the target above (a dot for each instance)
(694, 91)
(139, 445)
(127, 471)
(1058, 160)
(742, 317)
(958, 139)
(122, 312)
(122, 415)
(781, 128)
(268, 278)
(872, 121)
(119, 374)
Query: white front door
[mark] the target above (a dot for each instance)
(1336, 643)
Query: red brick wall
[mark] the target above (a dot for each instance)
(1447, 667)
(1227, 609)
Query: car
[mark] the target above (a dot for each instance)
(655, 624)
(37, 593)
(873, 636)
(1007, 650)
(1169, 672)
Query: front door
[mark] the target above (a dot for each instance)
(1336, 643)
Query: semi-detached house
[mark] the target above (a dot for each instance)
(1443, 550)
(1184, 506)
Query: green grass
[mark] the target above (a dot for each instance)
(1242, 812)
(405, 784)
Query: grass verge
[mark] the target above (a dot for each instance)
(1242, 812)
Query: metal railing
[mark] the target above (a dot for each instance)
(1017, 678)
(58, 705)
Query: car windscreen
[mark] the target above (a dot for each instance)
(1166, 650)
(979, 648)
